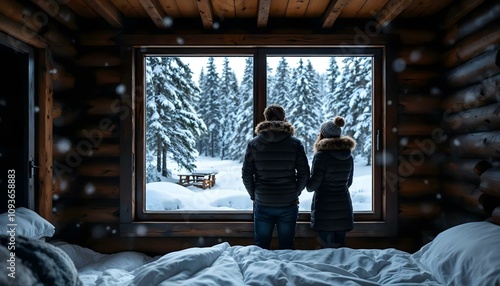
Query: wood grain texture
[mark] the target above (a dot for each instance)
(45, 134)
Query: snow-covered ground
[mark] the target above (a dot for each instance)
(230, 194)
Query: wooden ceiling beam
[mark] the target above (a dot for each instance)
(206, 13)
(155, 12)
(333, 11)
(108, 11)
(390, 11)
(59, 12)
(22, 14)
(263, 13)
(242, 40)
(16, 31)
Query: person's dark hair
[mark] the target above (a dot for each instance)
(274, 112)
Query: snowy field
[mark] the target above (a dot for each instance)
(230, 194)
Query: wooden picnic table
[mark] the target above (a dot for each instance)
(199, 179)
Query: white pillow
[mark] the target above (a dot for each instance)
(28, 224)
(467, 254)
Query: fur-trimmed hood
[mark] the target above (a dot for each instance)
(274, 131)
(344, 143)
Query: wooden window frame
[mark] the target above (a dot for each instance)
(136, 222)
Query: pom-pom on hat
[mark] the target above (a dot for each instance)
(332, 128)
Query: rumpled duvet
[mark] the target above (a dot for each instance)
(467, 254)
(223, 264)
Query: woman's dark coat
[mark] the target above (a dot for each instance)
(331, 177)
(275, 169)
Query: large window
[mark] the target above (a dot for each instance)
(195, 109)
(199, 117)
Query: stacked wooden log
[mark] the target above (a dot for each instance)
(471, 117)
(418, 116)
(80, 159)
(93, 199)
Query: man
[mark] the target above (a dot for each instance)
(274, 172)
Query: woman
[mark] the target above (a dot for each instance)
(331, 177)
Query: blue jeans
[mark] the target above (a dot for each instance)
(285, 219)
(332, 239)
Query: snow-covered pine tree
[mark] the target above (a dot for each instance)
(343, 93)
(202, 145)
(189, 125)
(303, 104)
(311, 107)
(172, 125)
(280, 84)
(355, 102)
(361, 107)
(332, 90)
(209, 106)
(270, 81)
(229, 93)
(323, 93)
(197, 97)
(244, 116)
(155, 120)
(291, 102)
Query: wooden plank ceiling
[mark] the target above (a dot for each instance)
(210, 14)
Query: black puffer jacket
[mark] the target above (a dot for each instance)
(275, 169)
(331, 177)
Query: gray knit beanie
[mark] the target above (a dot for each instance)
(332, 128)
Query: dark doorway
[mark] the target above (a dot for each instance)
(16, 123)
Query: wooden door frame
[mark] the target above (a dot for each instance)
(26, 199)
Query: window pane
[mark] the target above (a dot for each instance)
(316, 89)
(199, 116)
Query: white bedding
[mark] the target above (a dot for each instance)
(458, 256)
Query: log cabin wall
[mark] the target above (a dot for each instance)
(85, 78)
(87, 184)
(470, 120)
(420, 156)
(77, 78)
(91, 209)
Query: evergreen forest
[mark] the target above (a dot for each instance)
(213, 114)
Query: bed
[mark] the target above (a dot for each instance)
(467, 254)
